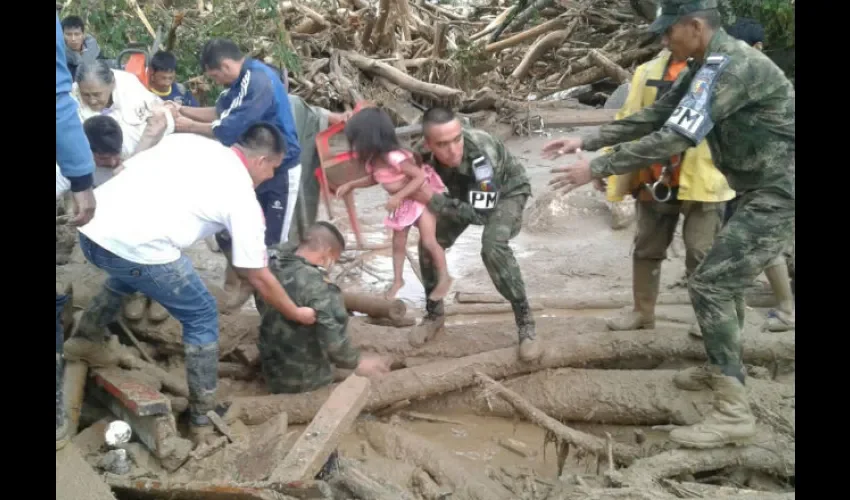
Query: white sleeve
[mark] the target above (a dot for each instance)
(247, 227)
(62, 184)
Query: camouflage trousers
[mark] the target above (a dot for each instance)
(761, 228)
(656, 227)
(499, 228)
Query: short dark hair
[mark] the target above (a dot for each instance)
(747, 30)
(72, 22)
(104, 135)
(217, 50)
(263, 138)
(711, 17)
(163, 61)
(437, 116)
(323, 234)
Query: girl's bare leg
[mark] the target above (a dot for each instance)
(399, 255)
(427, 224)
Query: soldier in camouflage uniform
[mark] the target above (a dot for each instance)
(299, 358)
(741, 102)
(486, 186)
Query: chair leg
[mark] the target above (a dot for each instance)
(352, 217)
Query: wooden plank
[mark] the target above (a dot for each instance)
(553, 118)
(76, 480)
(137, 397)
(322, 436)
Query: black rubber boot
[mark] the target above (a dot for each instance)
(432, 322)
(529, 346)
(202, 376)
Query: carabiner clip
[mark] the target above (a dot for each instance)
(656, 191)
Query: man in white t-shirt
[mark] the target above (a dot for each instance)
(168, 197)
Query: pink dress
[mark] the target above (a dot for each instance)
(409, 210)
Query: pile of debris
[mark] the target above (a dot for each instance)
(407, 55)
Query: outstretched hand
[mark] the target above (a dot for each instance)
(575, 175)
(560, 147)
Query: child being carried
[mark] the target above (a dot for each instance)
(372, 138)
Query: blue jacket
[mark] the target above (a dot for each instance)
(257, 95)
(73, 153)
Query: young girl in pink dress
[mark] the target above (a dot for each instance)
(372, 138)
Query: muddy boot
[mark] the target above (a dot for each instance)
(529, 347)
(157, 313)
(432, 322)
(731, 421)
(61, 421)
(89, 342)
(135, 306)
(646, 279)
(695, 378)
(202, 376)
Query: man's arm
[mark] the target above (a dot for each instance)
(331, 323)
(728, 96)
(203, 115)
(643, 122)
(272, 292)
(73, 152)
(255, 96)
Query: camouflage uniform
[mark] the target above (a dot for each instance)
(501, 224)
(746, 111)
(300, 358)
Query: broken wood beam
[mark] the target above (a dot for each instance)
(375, 306)
(545, 27)
(359, 482)
(440, 377)
(321, 437)
(399, 444)
(617, 397)
(613, 300)
(132, 394)
(612, 69)
(622, 454)
(73, 392)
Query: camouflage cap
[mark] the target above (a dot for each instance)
(669, 11)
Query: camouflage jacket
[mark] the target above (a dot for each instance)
(296, 357)
(747, 117)
(509, 175)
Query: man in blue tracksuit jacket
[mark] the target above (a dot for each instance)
(74, 158)
(255, 93)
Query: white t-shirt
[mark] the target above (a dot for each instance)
(182, 190)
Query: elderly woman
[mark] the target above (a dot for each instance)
(144, 119)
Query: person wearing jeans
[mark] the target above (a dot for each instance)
(144, 224)
(75, 168)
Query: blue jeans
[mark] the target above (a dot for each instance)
(176, 286)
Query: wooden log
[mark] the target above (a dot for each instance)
(612, 300)
(470, 309)
(622, 454)
(73, 392)
(400, 78)
(234, 330)
(593, 75)
(322, 436)
(454, 374)
(376, 307)
(543, 44)
(177, 385)
(427, 487)
(365, 487)
(545, 27)
(612, 69)
(495, 23)
(622, 397)
(400, 444)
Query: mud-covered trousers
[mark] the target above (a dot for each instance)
(758, 230)
(60, 413)
(500, 226)
(179, 289)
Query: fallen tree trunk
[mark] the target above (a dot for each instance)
(612, 300)
(445, 376)
(399, 444)
(622, 397)
(549, 41)
(551, 25)
(376, 307)
(400, 78)
(621, 454)
(612, 69)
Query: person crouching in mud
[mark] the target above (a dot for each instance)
(486, 186)
(372, 138)
(300, 358)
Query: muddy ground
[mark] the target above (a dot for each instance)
(567, 248)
